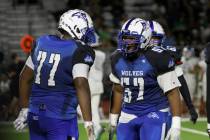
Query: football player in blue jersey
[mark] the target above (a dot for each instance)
(55, 78)
(144, 86)
(207, 54)
(158, 35)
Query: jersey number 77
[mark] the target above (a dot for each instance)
(54, 59)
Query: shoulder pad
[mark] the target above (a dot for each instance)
(160, 60)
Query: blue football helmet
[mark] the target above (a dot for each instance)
(158, 33)
(134, 35)
(79, 25)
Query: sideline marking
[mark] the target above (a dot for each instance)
(194, 131)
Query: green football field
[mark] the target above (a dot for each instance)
(189, 132)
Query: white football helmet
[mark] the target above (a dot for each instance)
(139, 30)
(157, 32)
(78, 24)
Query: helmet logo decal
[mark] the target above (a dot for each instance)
(80, 15)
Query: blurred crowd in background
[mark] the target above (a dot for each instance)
(186, 24)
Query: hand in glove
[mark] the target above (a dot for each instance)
(174, 131)
(90, 130)
(21, 122)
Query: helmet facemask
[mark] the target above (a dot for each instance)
(134, 37)
(130, 43)
(89, 37)
(156, 40)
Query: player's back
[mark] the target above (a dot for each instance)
(53, 90)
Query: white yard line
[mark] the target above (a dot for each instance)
(194, 131)
(199, 119)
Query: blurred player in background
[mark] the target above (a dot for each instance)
(189, 69)
(144, 84)
(95, 80)
(158, 35)
(56, 75)
(202, 83)
(13, 73)
(208, 87)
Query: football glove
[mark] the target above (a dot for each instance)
(21, 122)
(193, 115)
(174, 131)
(113, 118)
(90, 130)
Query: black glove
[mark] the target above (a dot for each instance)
(193, 115)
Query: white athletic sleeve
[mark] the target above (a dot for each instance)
(80, 70)
(168, 81)
(179, 71)
(114, 79)
(30, 63)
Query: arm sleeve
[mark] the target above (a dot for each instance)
(185, 92)
(80, 70)
(207, 57)
(83, 59)
(166, 75)
(208, 93)
(114, 79)
(168, 81)
(29, 62)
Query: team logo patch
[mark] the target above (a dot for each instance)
(80, 15)
(143, 61)
(88, 59)
(171, 48)
(153, 115)
(171, 64)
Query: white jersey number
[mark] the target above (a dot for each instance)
(137, 82)
(54, 59)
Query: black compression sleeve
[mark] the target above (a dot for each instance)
(208, 93)
(185, 92)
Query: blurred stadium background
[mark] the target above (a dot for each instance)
(186, 22)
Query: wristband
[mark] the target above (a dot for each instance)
(24, 109)
(113, 119)
(176, 122)
(88, 123)
(208, 126)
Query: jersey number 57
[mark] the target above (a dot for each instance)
(137, 82)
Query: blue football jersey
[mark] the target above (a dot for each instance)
(175, 53)
(142, 93)
(53, 92)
